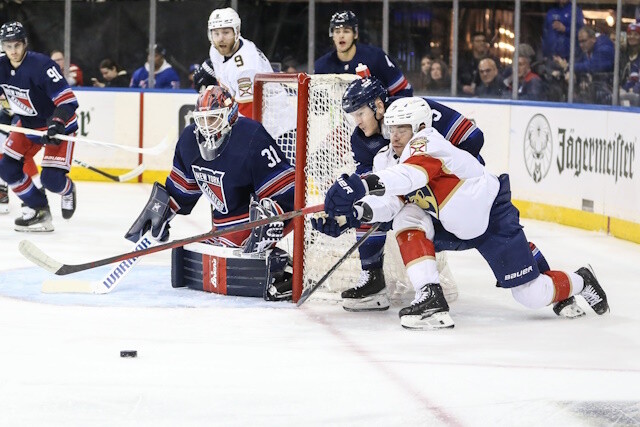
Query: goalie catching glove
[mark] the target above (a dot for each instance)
(263, 237)
(155, 216)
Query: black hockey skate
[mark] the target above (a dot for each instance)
(35, 220)
(369, 293)
(593, 292)
(68, 203)
(428, 311)
(568, 308)
(4, 198)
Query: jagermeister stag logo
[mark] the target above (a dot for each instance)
(538, 147)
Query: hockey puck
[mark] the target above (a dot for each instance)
(128, 353)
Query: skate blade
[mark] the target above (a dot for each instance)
(572, 311)
(440, 320)
(371, 303)
(46, 228)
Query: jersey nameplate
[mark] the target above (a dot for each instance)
(210, 182)
(19, 100)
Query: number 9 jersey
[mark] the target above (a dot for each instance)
(35, 89)
(236, 72)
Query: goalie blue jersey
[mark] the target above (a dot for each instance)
(35, 89)
(250, 162)
(456, 128)
(381, 66)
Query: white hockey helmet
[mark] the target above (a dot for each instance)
(224, 18)
(413, 111)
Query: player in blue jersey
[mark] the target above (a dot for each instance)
(238, 167)
(348, 54)
(166, 76)
(40, 96)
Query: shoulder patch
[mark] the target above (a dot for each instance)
(418, 146)
(245, 87)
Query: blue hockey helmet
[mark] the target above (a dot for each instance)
(363, 92)
(12, 31)
(344, 18)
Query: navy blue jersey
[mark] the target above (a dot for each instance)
(35, 89)
(165, 77)
(249, 162)
(381, 66)
(456, 128)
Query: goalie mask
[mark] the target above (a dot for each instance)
(413, 111)
(215, 113)
(224, 18)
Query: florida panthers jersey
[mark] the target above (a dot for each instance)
(456, 128)
(448, 183)
(236, 73)
(35, 89)
(249, 163)
(379, 63)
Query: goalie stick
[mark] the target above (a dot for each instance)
(38, 257)
(108, 283)
(118, 178)
(309, 291)
(153, 150)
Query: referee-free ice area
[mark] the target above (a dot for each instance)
(205, 359)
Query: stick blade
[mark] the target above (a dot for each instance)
(38, 257)
(132, 173)
(68, 286)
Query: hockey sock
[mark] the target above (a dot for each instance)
(371, 251)
(543, 265)
(419, 256)
(565, 284)
(29, 193)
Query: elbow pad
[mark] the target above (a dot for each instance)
(374, 186)
(363, 211)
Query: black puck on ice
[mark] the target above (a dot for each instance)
(128, 353)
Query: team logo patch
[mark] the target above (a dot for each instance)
(418, 146)
(538, 147)
(19, 100)
(245, 87)
(210, 182)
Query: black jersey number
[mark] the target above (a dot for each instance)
(239, 61)
(54, 74)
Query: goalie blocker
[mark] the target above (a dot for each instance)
(228, 271)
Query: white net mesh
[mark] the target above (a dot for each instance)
(328, 154)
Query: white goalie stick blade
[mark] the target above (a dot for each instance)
(132, 173)
(38, 257)
(108, 283)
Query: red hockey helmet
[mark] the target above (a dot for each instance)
(215, 113)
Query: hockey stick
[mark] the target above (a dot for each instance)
(118, 178)
(108, 283)
(27, 131)
(309, 291)
(38, 257)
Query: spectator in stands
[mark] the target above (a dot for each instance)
(439, 79)
(468, 75)
(113, 75)
(289, 65)
(74, 76)
(491, 85)
(530, 85)
(630, 66)
(165, 76)
(555, 32)
(423, 77)
(192, 69)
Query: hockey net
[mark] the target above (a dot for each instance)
(304, 115)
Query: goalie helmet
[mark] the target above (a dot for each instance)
(12, 31)
(215, 113)
(363, 92)
(344, 18)
(224, 18)
(409, 111)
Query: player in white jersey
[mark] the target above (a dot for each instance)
(235, 60)
(436, 189)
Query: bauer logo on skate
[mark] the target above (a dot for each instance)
(210, 182)
(519, 273)
(19, 100)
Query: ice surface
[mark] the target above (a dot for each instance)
(205, 359)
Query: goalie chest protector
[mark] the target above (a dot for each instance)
(220, 270)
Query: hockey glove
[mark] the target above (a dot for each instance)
(56, 125)
(333, 227)
(155, 216)
(204, 75)
(265, 236)
(342, 195)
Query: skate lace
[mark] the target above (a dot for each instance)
(67, 201)
(421, 296)
(363, 279)
(590, 295)
(27, 212)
